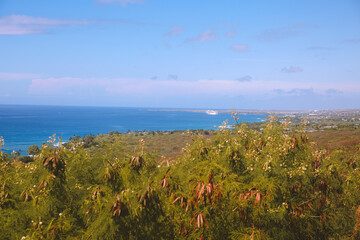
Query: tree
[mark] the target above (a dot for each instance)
(33, 150)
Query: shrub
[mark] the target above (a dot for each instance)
(235, 184)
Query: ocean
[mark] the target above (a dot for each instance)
(24, 125)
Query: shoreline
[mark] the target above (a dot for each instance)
(87, 121)
(260, 112)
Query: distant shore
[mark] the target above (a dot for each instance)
(267, 112)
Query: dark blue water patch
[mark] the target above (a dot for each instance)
(24, 125)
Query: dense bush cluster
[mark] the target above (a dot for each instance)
(237, 184)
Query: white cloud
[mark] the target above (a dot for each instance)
(332, 91)
(292, 69)
(231, 33)
(287, 31)
(23, 25)
(149, 88)
(295, 91)
(246, 78)
(320, 48)
(352, 40)
(173, 77)
(175, 30)
(58, 86)
(203, 37)
(239, 47)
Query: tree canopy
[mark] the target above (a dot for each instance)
(235, 184)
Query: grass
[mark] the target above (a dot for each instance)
(167, 146)
(334, 139)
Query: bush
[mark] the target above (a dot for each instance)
(33, 150)
(25, 159)
(237, 184)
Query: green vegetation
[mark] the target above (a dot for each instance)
(236, 183)
(33, 150)
(332, 139)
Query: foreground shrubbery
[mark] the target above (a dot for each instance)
(237, 184)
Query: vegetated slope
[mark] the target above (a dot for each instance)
(237, 183)
(337, 138)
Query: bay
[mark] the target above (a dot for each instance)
(25, 125)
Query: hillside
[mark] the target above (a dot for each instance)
(241, 183)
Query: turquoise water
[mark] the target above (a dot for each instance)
(22, 126)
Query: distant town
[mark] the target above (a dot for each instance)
(319, 119)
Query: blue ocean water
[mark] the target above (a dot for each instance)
(25, 125)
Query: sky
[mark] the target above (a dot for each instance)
(255, 54)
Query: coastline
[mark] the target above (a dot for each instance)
(24, 125)
(261, 112)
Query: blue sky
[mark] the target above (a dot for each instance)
(256, 54)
